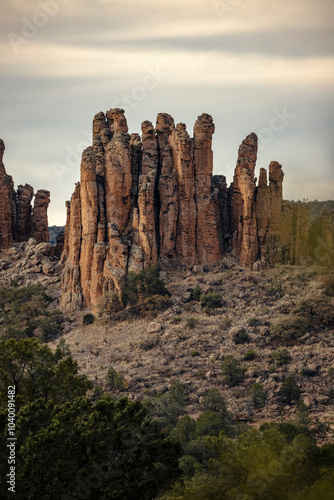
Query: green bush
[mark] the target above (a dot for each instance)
(213, 401)
(150, 306)
(258, 395)
(211, 301)
(192, 322)
(290, 328)
(241, 337)
(115, 379)
(233, 373)
(143, 285)
(289, 391)
(254, 322)
(318, 311)
(275, 288)
(196, 294)
(281, 357)
(250, 355)
(88, 319)
(24, 313)
(193, 354)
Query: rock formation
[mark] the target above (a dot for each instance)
(150, 199)
(18, 219)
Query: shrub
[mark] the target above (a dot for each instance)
(289, 391)
(250, 355)
(211, 301)
(258, 395)
(193, 354)
(281, 357)
(88, 319)
(115, 379)
(233, 373)
(176, 320)
(290, 328)
(151, 306)
(213, 401)
(149, 343)
(254, 322)
(24, 313)
(318, 311)
(275, 288)
(145, 284)
(241, 337)
(110, 304)
(196, 294)
(191, 322)
(328, 285)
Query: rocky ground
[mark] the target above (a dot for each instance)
(29, 262)
(187, 344)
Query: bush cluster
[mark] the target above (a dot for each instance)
(24, 313)
(291, 328)
(232, 371)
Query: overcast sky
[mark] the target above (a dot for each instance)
(263, 66)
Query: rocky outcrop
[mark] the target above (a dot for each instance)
(7, 203)
(152, 198)
(18, 220)
(39, 218)
(243, 215)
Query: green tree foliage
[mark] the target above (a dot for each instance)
(88, 319)
(213, 401)
(289, 391)
(211, 301)
(196, 294)
(167, 408)
(37, 372)
(115, 379)
(259, 465)
(68, 445)
(109, 450)
(143, 285)
(241, 337)
(281, 357)
(318, 311)
(258, 395)
(24, 313)
(233, 373)
(290, 328)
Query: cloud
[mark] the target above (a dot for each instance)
(238, 62)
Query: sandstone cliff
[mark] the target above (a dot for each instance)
(150, 199)
(19, 220)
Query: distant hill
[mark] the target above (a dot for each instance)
(54, 231)
(317, 207)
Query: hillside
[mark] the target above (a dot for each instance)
(187, 344)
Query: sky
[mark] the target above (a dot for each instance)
(263, 66)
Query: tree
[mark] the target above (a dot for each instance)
(37, 372)
(145, 284)
(289, 391)
(107, 450)
(233, 373)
